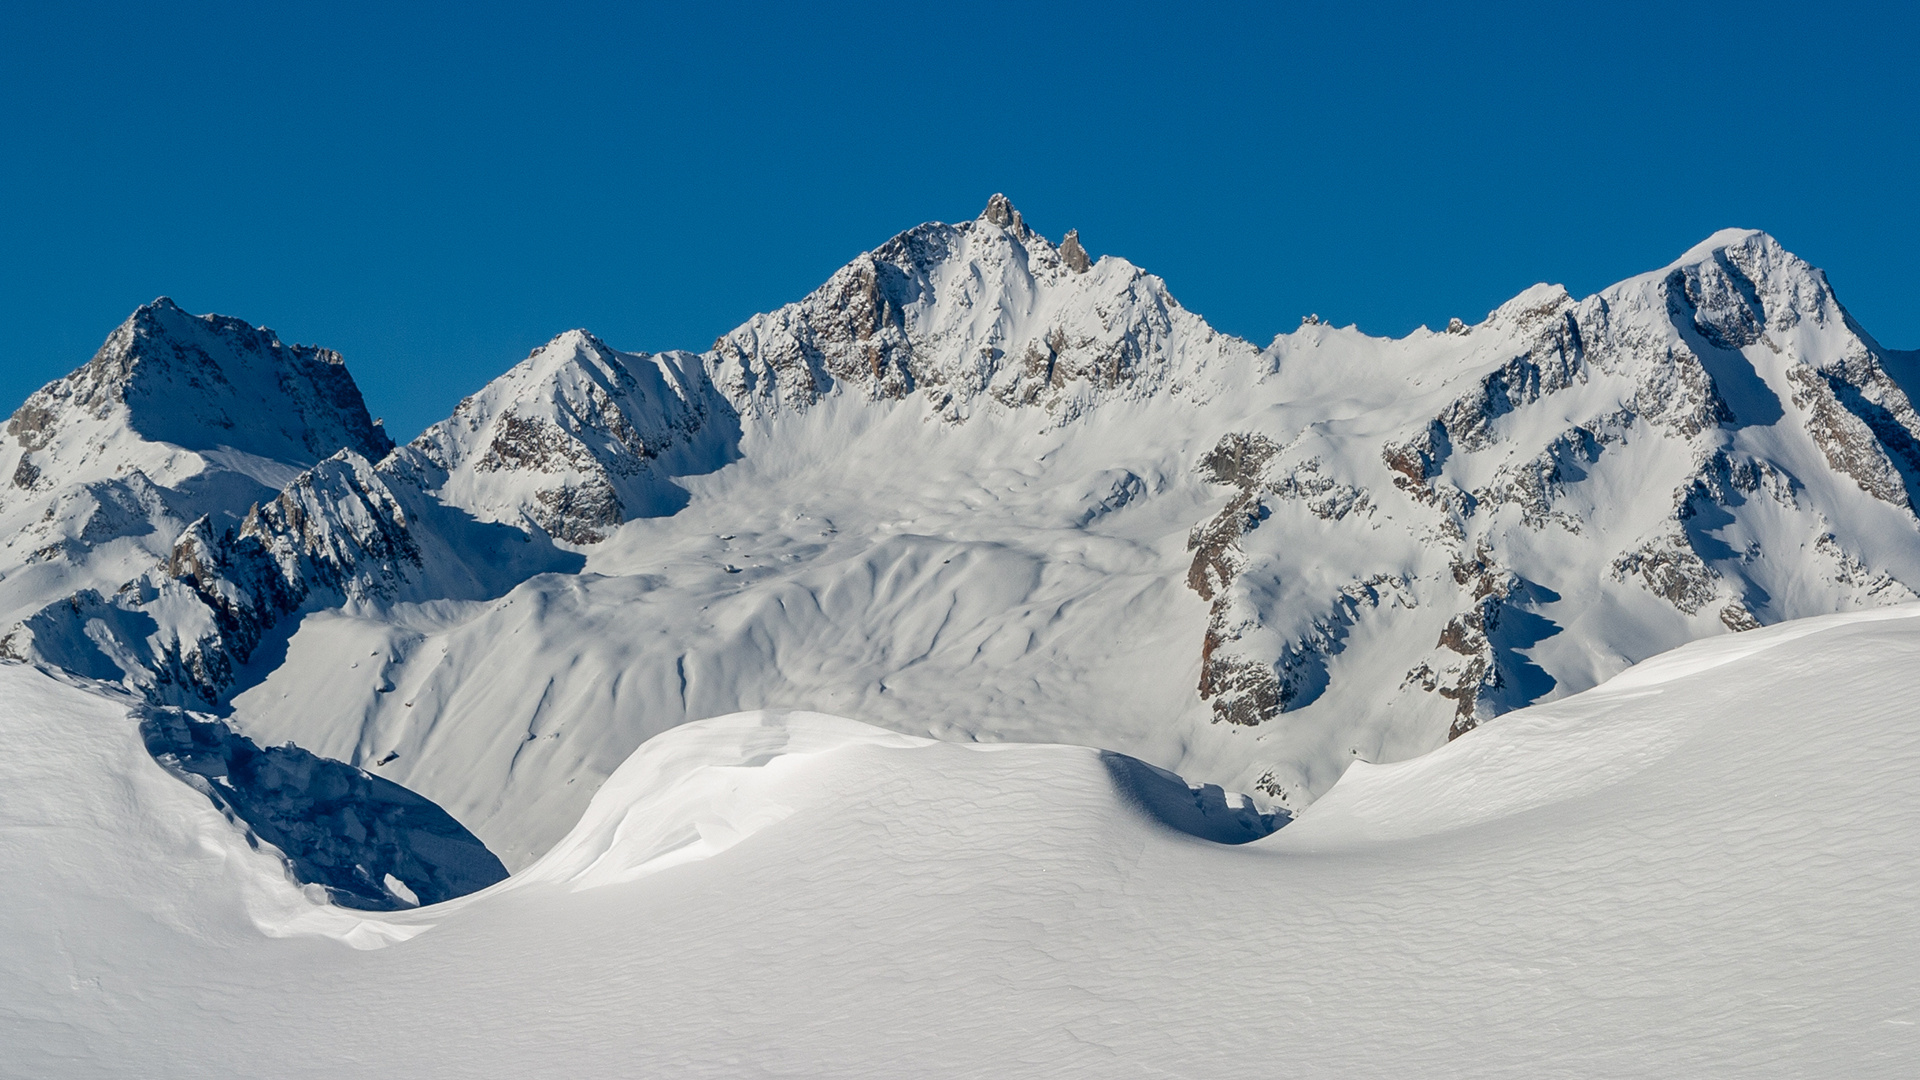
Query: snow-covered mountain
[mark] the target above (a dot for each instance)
(963, 315)
(1465, 522)
(175, 418)
(982, 487)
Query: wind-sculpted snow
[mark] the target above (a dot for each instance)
(1699, 869)
(981, 487)
(693, 792)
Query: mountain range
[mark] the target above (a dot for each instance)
(980, 487)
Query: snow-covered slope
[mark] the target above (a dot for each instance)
(982, 487)
(1699, 869)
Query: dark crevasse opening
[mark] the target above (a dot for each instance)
(371, 843)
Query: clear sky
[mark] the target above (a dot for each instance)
(435, 189)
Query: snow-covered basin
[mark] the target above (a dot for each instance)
(1704, 867)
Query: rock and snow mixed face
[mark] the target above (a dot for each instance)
(175, 417)
(578, 439)
(987, 310)
(988, 480)
(1435, 530)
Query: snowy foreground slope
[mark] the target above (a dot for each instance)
(1702, 868)
(978, 486)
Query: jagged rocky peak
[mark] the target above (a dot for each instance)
(1739, 283)
(1073, 254)
(1741, 292)
(980, 314)
(1000, 211)
(207, 383)
(576, 439)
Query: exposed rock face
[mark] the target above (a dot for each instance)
(1243, 690)
(1669, 568)
(1073, 254)
(1850, 446)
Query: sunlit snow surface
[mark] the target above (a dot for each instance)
(1702, 868)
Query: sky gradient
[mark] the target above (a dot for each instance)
(434, 191)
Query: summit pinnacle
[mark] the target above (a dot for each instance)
(1000, 212)
(1073, 254)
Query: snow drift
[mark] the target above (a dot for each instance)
(1699, 868)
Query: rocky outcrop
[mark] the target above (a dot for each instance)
(1249, 688)
(1472, 667)
(1242, 690)
(1324, 497)
(1851, 446)
(1073, 254)
(1532, 485)
(1417, 459)
(1668, 567)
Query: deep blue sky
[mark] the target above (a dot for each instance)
(435, 190)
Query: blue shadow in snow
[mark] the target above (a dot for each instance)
(1201, 811)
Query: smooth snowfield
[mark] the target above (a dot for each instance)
(1702, 868)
